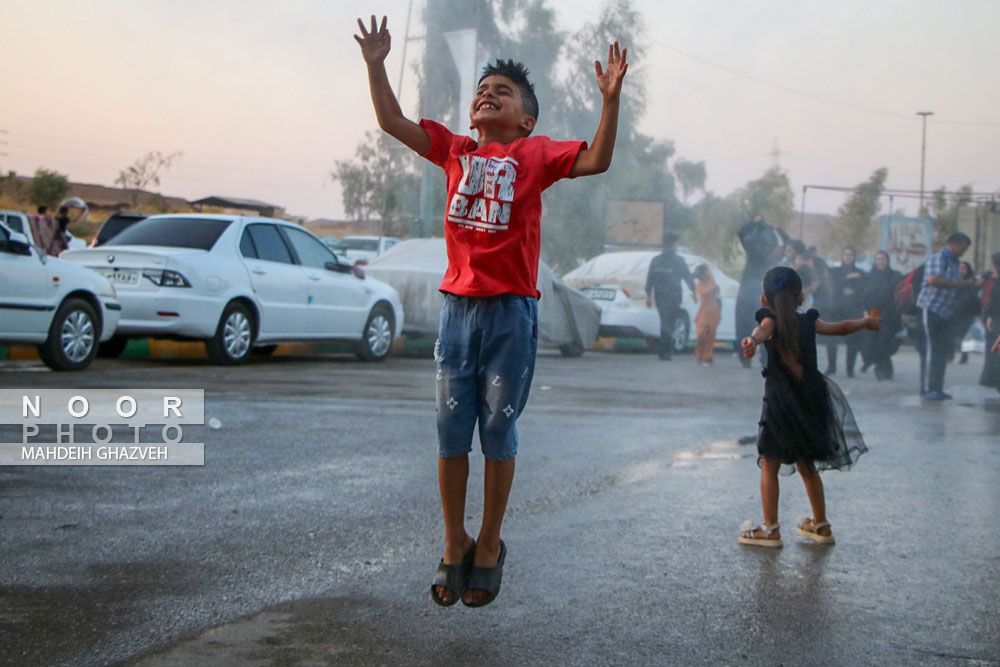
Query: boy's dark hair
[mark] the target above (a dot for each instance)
(958, 238)
(517, 73)
(782, 289)
(670, 239)
(700, 271)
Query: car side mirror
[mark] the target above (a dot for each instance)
(338, 267)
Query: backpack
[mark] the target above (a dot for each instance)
(908, 289)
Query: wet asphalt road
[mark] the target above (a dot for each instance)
(311, 534)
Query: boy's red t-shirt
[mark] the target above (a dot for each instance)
(492, 226)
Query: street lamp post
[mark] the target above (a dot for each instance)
(923, 155)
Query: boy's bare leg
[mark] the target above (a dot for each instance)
(769, 494)
(453, 477)
(499, 476)
(814, 489)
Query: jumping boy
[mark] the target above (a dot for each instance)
(487, 339)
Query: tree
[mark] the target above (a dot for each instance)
(382, 182)
(48, 188)
(769, 196)
(145, 171)
(691, 176)
(945, 211)
(854, 226)
(574, 222)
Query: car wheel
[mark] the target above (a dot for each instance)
(112, 348)
(233, 338)
(571, 350)
(73, 337)
(376, 337)
(682, 331)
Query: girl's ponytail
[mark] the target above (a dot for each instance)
(782, 290)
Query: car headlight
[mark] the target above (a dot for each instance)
(166, 278)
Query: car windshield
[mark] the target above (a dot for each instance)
(173, 232)
(358, 244)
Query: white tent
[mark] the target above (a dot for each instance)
(566, 318)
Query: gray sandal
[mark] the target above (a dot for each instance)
(487, 579)
(453, 577)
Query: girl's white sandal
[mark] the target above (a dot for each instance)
(809, 528)
(747, 530)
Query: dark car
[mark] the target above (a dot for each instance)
(115, 225)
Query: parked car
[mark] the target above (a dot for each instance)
(242, 285)
(363, 249)
(64, 309)
(567, 319)
(115, 224)
(616, 281)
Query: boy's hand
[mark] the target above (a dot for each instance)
(996, 346)
(375, 44)
(749, 347)
(609, 81)
(873, 323)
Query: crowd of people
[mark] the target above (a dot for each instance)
(947, 298)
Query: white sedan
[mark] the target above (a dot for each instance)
(64, 309)
(241, 284)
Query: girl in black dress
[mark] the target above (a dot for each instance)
(806, 421)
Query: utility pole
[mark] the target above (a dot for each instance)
(923, 156)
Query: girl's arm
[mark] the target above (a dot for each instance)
(761, 333)
(847, 327)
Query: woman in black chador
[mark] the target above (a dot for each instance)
(764, 247)
(879, 346)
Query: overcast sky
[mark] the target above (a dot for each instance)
(262, 96)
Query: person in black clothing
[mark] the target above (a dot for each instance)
(991, 319)
(663, 285)
(764, 247)
(879, 346)
(967, 309)
(847, 281)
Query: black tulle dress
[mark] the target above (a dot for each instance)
(805, 419)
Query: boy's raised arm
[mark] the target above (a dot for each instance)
(597, 157)
(375, 45)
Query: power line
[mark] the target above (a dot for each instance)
(786, 89)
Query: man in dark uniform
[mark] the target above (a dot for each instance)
(663, 284)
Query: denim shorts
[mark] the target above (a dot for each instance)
(485, 356)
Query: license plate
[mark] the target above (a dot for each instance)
(123, 278)
(601, 294)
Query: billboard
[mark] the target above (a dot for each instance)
(909, 241)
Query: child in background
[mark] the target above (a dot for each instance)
(806, 421)
(709, 315)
